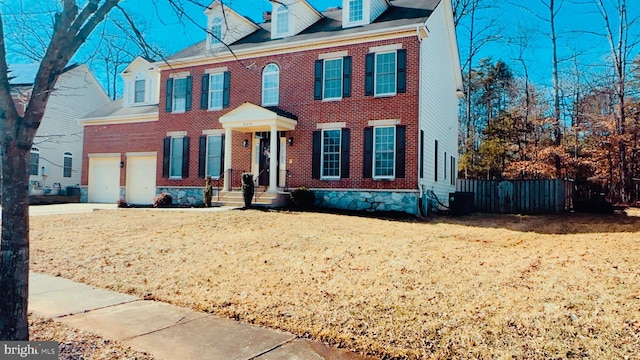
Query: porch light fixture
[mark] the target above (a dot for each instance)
(290, 141)
(245, 143)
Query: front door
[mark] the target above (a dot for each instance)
(266, 156)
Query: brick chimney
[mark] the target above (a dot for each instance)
(266, 16)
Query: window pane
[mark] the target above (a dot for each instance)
(66, 171)
(386, 73)
(34, 160)
(175, 165)
(355, 10)
(179, 94)
(384, 146)
(283, 20)
(139, 91)
(331, 153)
(216, 87)
(214, 155)
(216, 31)
(270, 85)
(333, 79)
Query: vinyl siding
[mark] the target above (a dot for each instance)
(377, 8)
(77, 94)
(438, 106)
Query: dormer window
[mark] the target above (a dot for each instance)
(216, 31)
(139, 91)
(356, 11)
(282, 20)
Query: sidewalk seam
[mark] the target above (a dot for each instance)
(166, 327)
(295, 337)
(98, 308)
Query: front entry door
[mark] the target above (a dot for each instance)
(266, 156)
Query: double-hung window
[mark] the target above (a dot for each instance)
(356, 12)
(331, 151)
(332, 79)
(66, 166)
(384, 146)
(34, 161)
(386, 73)
(384, 152)
(216, 31)
(176, 156)
(175, 160)
(139, 96)
(214, 155)
(179, 95)
(216, 91)
(270, 85)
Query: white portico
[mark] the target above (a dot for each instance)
(251, 118)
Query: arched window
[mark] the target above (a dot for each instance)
(282, 17)
(270, 85)
(216, 31)
(34, 161)
(355, 10)
(67, 164)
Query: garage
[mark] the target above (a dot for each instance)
(141, 179)
(104, 179)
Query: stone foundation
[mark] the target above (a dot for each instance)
(368, 200)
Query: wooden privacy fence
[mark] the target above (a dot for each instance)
(519, 196)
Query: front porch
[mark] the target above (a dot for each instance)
(265, 133)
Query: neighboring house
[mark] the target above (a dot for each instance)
(56, 155)
(358, 104)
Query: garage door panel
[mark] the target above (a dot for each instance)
(104, 179)
(141, 179)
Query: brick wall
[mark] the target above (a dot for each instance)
(296, 97)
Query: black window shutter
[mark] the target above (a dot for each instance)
(226, 89)
(344, 156)
(187, 95)
(346, 76)
(166, 154)
(369, 74)
(317, 83)
(169, 97)
(204, 93)
(185, 157)
(421, 154)
(402, 71)
(367, 165)
(202, 157)
(401, 139)
(222, 156)
(316, 154)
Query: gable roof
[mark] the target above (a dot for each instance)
(401, 13)
(25, 74)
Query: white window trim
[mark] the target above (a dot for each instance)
(279, 11)
(324, 76)
(176, 135)
(206, 162)
(375, 74)
(34, 150)
(322, 177)
(142, 78)
(277, 88)
(209, 106)
(373, 167)
(173, 96)
(212, 40)
(65, 155)
(356, 22)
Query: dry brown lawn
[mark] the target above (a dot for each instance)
(485, 286)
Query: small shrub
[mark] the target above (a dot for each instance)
(122, 203)
(163, 200)
(302, 198)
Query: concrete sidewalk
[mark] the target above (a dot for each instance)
(166, 331)
(78, 208)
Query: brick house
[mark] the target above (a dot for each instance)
(358, 104)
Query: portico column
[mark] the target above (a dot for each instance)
(273, 160)
(227, 160)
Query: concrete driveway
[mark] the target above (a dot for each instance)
(71, 208)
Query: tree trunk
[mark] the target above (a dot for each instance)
(14, 263)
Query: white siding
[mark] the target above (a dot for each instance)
(77, 93)
(438, 105)
(234, 26)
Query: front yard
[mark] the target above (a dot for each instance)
(486, 286)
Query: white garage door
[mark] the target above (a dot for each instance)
(141, 179)
(104, 179)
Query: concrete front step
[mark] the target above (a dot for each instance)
(235, 198)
